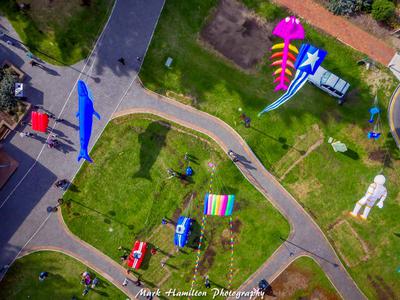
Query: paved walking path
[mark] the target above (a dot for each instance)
(394, 115)
(23, 218)
(342, 29)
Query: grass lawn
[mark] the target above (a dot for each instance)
(303, 279)
(125, 194)
(63, 282)
(53, 30)
(327, 184)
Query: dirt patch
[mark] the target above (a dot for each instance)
(226, 234)
(293, 282)
(331, 116)
(225, 239)
(186, 202)
(353, 97)
(382, 290)
(236, 226)
(302, 188)
(381, 156)
(238, 34)
(207, 261)
(378, 79)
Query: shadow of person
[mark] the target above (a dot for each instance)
(152, 140)
(69, 124)
(50, 71)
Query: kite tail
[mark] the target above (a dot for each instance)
(84, 154)
(299, 80)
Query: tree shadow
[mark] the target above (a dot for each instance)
(152, 140)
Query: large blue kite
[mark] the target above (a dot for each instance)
(307, 63)
(85, 115)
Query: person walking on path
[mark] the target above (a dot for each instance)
(138, 283)
(122, 61)
(34, 63)
(125, 283)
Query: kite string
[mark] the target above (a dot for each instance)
(232, 248)
(203, 225)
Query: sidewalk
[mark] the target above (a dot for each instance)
(341, 29)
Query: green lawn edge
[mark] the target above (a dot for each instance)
(21, 280)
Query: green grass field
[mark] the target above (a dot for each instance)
(125, 193)
(304, 269)
(63, 282)
(327, 184)
(53, 31)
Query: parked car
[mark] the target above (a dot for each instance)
(182, 231)
(136, 257)
(329, 83)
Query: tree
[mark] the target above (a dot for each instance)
(349, 7)
(383, 10)
(8, 101)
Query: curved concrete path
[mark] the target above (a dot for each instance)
(26, 226)
(394, 115)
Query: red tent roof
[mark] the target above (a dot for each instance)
(39, 121)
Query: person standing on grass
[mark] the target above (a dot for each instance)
(95, 282)
(43, 276)
(207, 283)
(247, 121)
(85, 291)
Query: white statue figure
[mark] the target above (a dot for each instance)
(375, 191)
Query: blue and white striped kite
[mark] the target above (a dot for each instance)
(307, 62)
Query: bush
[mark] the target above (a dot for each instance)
(349, 7)
(8, 101)
(383, 10)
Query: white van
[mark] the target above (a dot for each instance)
(329, 83)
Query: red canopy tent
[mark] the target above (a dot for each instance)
(39, 121)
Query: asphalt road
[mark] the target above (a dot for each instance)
(394, 115)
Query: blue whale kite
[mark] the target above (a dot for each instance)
(85, 115)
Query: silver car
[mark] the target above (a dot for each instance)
(329, 83)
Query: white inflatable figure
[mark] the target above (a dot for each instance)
(375, 191)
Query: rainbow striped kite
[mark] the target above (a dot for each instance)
(218, 205)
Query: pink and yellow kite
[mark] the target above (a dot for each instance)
(218, 205)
